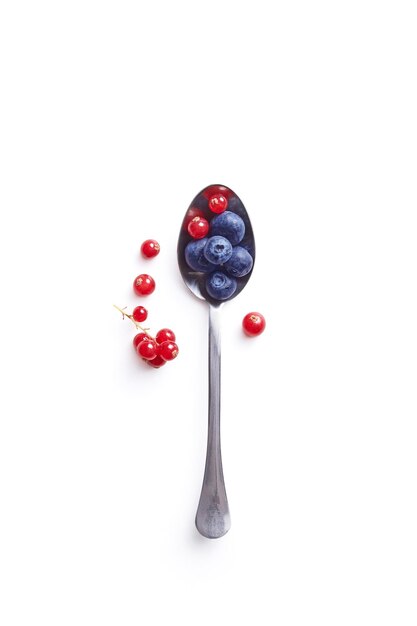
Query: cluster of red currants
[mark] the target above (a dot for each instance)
(158, 350)
(155, 351)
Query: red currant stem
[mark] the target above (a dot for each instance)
(124, 314)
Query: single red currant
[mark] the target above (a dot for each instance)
(150, 248)
(157, 362)
(191, 214)
(218, 203)
(144, 285)
(165, 334)
(147, 349)
(139, 314)
(211, 190)
(253, 324)
(168, 350)
(198, 227)
(138, 338)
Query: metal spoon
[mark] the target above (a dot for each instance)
(213, 518)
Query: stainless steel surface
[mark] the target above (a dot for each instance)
(212, 518)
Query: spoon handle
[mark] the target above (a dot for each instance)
(213, 519)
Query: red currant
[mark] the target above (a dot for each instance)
(147, 349)
(253, 324)
(168, 350)
(165, 334)
(144, 285)
(198, 227)
(150, 248)
(157, 362)
(191, 214)
(211, 190)
(218, 203)
(138, 338)
(139, 314)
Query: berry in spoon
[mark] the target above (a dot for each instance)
(198, 227)
(240, 263)
(218, 203)
(228, 225)
(218, 250)
(220, 286)
(194, 256)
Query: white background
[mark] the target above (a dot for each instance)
(113, 116)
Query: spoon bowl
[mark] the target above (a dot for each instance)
(213, 518)
(200, 206)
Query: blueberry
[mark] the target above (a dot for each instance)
(249, 245)
(195, 258)
(218, 250)
(219, 286)
(240, 263)
(228, 225)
